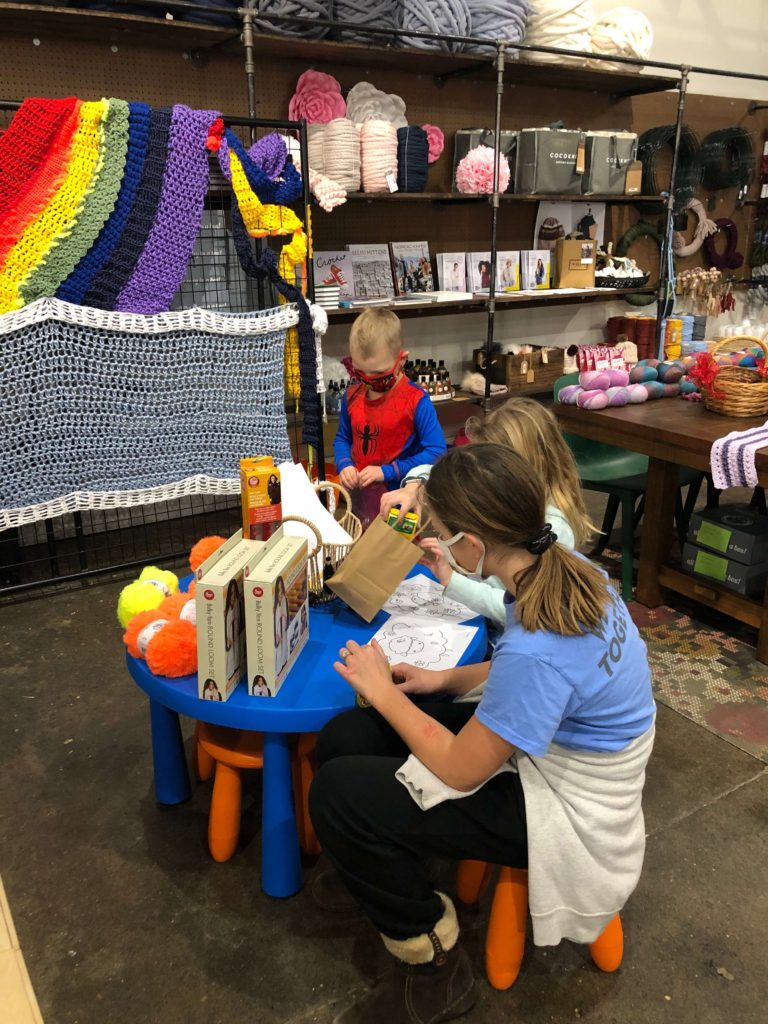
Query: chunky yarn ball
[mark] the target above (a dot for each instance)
(367, 103)
(441, 17)
(498, 19)
(569, 394)
(371, 14)
(315, 9)
(204, 548)
(145, 593)
(640, 374)
(592, 400)
(622, 31)
(671, 390)
(592, 380)
(669, 373)
(475, 171)
(617, 396)
(654, 388)
(636, 394)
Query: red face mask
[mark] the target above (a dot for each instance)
(380, 382)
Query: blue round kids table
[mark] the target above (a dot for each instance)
(312, 694)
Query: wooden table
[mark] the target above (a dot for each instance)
(672, 433)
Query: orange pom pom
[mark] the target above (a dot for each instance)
(204, 549)
(135, 638)
(171, 606)
(173, 650)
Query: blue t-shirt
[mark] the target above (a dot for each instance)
(590, 692)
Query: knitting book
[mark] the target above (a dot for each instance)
(452, 271)
(371, 271)
(276, 611)
(411, 267)
(220, 618)
(479, 271)
(334, 268)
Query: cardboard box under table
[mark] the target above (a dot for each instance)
(220, 618)
(744, 579)
(738, 532)
(276, 611)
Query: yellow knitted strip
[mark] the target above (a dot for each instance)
(58, 215)
(292, 371)
(259, 219)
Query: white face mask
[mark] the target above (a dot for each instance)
(445, 547)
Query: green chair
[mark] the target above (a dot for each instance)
(623, 476)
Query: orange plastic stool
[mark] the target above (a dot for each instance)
(505, 938)
(227, 752)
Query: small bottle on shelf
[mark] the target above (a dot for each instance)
(431, 385)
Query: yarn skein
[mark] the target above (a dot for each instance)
(497, 19)
(369, 14)
(623, 31)
(315, 147)
(412, 159)
(442, 17)
(341, 153)
(378, 147)
(564, 24)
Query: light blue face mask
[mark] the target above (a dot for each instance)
(445, 547)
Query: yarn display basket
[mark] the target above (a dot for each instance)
(741, 390)
(339, 504)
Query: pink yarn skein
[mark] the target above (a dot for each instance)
(475, 171)
(592, 400)
(637, 394)
(569, 394)
(595, 380)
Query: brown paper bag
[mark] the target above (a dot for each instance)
(374, 569)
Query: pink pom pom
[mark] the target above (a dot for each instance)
(475, 171)
(569, 394)
(592, 400)
(637, 394)
(617, 396)
(436, 141)
(619, 378)
(595, 380)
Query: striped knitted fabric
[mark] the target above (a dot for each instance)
(81, 278)
(163, 262)
(59, 213)
(17, 217)
(286, 189)
(97, 204)
(27, 144)
(114, 275)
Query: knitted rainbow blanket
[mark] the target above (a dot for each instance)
(100, 202)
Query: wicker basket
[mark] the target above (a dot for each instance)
(741, 391)
(340, 507)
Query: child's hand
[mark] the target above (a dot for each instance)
(406, 497)
(437, 561)
(366, 669)
(349, 478)
(417, 680)
(371, 475)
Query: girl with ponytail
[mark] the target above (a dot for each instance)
(546, 772)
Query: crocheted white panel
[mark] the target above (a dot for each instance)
(107, 410)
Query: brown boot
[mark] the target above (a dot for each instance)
(431, 981)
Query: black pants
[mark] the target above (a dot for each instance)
(377, 836)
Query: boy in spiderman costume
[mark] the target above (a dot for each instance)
(387, 424)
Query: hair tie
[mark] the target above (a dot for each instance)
(541, 540)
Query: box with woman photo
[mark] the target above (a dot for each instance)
(220, 619)
(276, 611)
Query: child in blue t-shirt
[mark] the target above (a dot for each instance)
(545, 773)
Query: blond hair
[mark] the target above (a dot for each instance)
(531, 430)
(490, 491)
(373, 330)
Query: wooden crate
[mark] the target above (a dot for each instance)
(530, 373)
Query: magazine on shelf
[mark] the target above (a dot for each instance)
(334, 268)
(452, 271)
(371, 271)
(411, 267)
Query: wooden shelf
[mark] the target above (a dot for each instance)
(460, 197)
(158, 33)
(477, 305)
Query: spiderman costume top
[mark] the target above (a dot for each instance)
(398, 431)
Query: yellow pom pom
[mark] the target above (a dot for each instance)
(145, 593)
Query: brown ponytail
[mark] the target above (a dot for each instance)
(490, 491)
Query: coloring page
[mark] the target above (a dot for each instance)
(423, 597)
(424, 643)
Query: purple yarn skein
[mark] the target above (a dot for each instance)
(270, 154)
(163, 263)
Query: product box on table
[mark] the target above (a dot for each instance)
(744, 579)
(260, 496)
(736, 531)
(276, 611)
(220, 618)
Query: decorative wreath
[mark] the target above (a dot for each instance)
(640, 230)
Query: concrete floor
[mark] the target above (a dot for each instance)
(124, 918)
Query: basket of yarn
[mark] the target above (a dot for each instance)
(733, 390)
